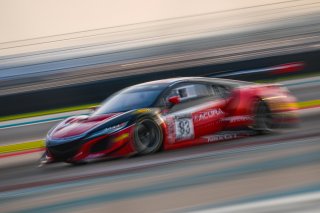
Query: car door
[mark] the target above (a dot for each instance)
(196, 114)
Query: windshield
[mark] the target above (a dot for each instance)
(128, 100)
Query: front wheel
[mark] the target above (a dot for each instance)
(148, 136)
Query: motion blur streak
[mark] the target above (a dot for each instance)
(287, 203)
(210, 174)
(32, 129)
(249, 40)
(242, 33)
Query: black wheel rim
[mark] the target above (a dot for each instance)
(147, 136)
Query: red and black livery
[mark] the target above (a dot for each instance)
(169, 114)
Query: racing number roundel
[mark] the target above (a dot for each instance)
(184, 128)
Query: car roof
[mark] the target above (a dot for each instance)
(157, 84)
(164, 83)
(167, 81)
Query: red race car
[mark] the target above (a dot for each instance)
(169, 114)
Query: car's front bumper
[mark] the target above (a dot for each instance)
(114, 145)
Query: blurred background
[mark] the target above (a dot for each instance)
(57, 58)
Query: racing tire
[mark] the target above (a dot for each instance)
(148, 136)
(263, 118)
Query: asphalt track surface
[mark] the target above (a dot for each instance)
(208, 176)
(249, 170)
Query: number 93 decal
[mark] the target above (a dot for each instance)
(184, 128)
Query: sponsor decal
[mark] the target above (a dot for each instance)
(139, 111)
(184, 127)
(235, 119)
(170, 128)
(120, 137)
(208, 114)
(223, 136)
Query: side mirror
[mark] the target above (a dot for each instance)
(174, 100)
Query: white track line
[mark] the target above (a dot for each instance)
(274, 203)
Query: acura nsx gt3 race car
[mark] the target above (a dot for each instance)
(169, 114)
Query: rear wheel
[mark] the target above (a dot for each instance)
(263, 119)
(147, 136)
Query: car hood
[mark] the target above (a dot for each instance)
(79, 125)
